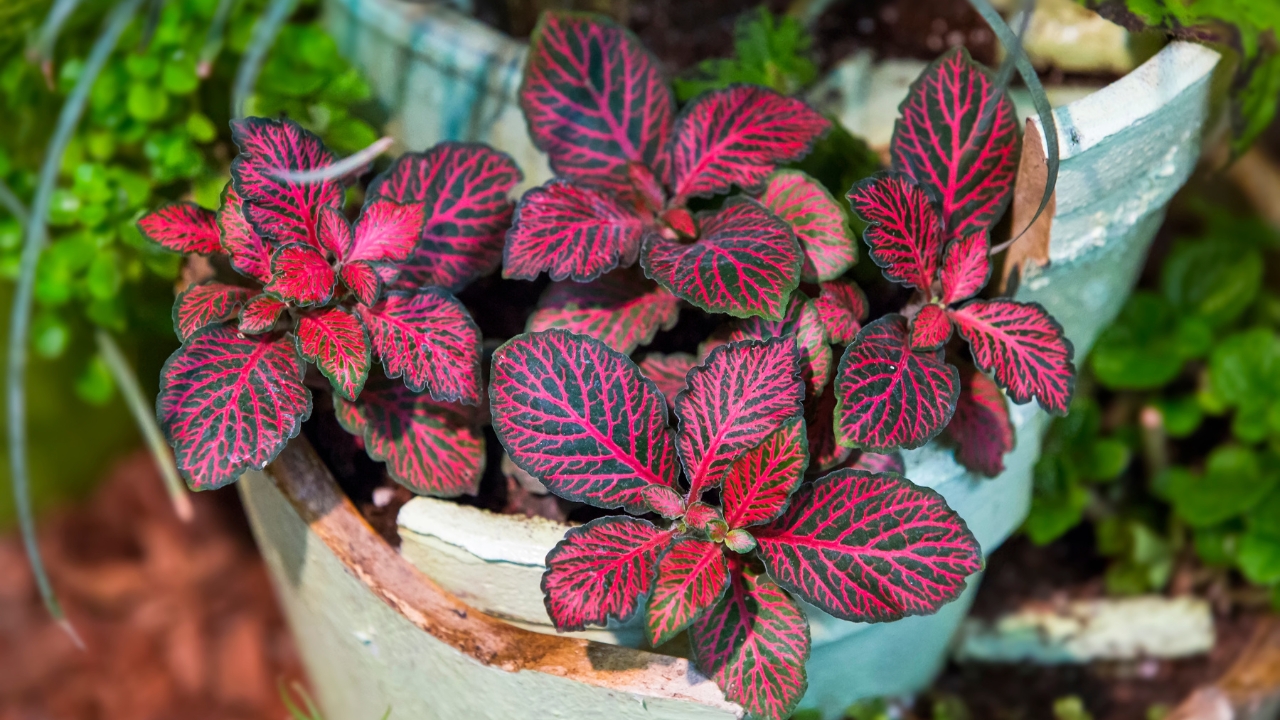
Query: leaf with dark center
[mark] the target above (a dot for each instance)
(759, 482)
(958, 136)
(981, 428)
(818, 221)
(746, 261)
(202, 305)
(337, 343)
(622, 309)
(430, 447)
(1023, 346)
(301, 276)
(737, 136)
(282, 211)
(733, 401)
(966, 267)
(842, 307)
(594, 100)
(754, 644)
(570, 232)
(582, 419)
(230, 402)
(903, 232)
(429, 338)
(466, 189)
(930, 328)
(600, 570)
(692, 576)
(182, 227)
(870, 548)
(889, 396)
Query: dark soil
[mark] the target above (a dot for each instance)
(178, 620)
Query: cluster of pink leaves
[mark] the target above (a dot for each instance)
(860, 543)
(954, 157)
(626, 167)
(316, 288)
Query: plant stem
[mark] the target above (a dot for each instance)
(20, 318)
(349, 165)
(144, 415)
(213, 41)
(264, 34)
(42, 49)
(1155, 442)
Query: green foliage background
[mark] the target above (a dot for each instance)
(153, 132)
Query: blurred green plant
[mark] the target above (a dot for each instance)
(1190, 375)
(154, 131)
(1245, 29)
(770, 50)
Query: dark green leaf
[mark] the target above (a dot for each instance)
(1141, 349)
(1233, 482)
(1215, 278)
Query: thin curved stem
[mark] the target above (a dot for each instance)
(144, 414)
(20, 318)
(11, 202)
(47, 37)
(264, 34)
(352, 164)
(213, 40)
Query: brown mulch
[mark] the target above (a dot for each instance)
(179, 621)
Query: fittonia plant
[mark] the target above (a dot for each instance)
(756, 410)
(318, 289)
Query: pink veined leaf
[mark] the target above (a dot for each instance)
(301, 276)
(335, 232)
(965, 267)
(1023, 346)
(878, 463)
(246, 248)
(284, 212)
(386, 231)
(733, 401)
(363, 280)
(958, 135)
(746, 261)
(337, 343)
(430, 447)
(260, 314)
(841, 306)
(981, 428)
(889, 396)
(692, 576)
(760, 481)
(621, 309)
(870, 548)
(429, 338)
(930, 328)
(819, 422)
(581, 418)
(230, 402)
(802, 324)
(466, 189)
(570, 232)
(700, 515)
(668, 372)
(652, 194)
(594, 100)
(903, 232)
(600, 570)
(737, 136)
(182, 227)
(754, 644)
(819, 223)
(202, 305)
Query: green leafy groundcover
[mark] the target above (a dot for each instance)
(154, 131)
(1188, 378)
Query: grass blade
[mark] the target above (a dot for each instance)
(144, 414)
(213, 40)
(20, 319)
(264, 34)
